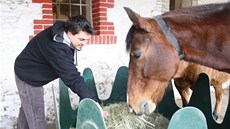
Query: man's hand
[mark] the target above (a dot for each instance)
(105, 114)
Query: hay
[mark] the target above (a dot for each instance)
(119, 117)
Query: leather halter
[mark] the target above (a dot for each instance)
(169, 35)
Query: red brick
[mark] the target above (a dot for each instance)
(100, 39)
(100, 19)
(42, 1)
(104, 39)
(38, 27)
(96, 32)
(108, 38)
(105, 23)
(108, 5)
(95, 5)
(47, 6)
(100, 4)
(98, 1)
(95, 1)
(31, 36)
(99, 14)
(111, 40)
(110, 27)
(37, 31)
(111, 1)
(46, 26)
(100, 28)
(96, 39)
(47, 16)
(97, 10)
(94, 24)
(43, 21)
(91, 40)
(115, 39)
(45, 11)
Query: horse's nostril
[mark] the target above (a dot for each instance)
(130, 109)
(143, 106)
(146, 109)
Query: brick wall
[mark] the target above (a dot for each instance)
(104, 29)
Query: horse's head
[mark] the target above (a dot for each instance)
(153, 63)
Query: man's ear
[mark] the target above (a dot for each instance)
(69, 34)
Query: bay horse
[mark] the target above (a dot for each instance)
(156, 45)
(188, 73)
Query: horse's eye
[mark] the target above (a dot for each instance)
(136, 54)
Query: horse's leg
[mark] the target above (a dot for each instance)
(183, 89)
(219, 96)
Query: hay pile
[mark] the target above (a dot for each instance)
(119, 117)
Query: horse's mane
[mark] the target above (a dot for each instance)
(129, 37)
(199, 10)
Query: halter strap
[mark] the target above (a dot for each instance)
(169, 35)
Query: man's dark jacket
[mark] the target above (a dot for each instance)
(47, 57)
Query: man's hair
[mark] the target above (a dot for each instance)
(79, 23)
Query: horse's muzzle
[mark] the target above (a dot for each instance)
(145, 108)
(131, 109)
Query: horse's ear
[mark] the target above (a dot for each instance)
(138, 21)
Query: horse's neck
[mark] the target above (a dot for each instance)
(204, 42)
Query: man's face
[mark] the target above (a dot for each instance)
(79, 40)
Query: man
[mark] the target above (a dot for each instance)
(48, 56)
